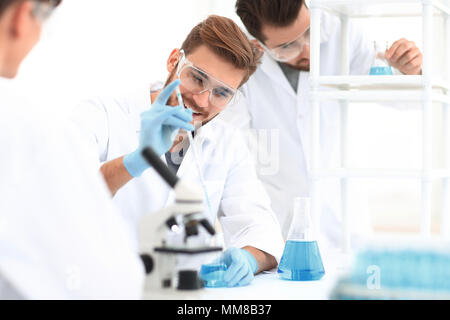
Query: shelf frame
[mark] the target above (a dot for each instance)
(345, 89)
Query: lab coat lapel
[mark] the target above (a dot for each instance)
(304, 114)
(304, 96)
(166, 192)
(273, 71)
(188, 168)
(188, 164)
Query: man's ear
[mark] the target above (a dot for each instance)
(172, 62)
(257, 44)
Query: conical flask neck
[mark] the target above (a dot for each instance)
(301, 227)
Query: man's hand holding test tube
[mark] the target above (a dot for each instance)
(159, 125)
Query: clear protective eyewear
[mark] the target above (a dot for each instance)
(198, 81)
(44, 8)
(290, 50)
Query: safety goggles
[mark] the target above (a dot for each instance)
(290, 50)
(198, 81)
(43, 8)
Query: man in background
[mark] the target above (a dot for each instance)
(277, 100)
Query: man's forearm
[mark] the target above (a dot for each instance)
(265, 261)
(115, 174)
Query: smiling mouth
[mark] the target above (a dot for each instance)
(195, 113)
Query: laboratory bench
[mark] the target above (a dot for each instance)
(267, 286)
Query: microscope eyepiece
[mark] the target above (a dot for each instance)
(205, 223)
(191, 228)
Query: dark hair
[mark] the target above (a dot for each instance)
(4, 4)
(277, 13)
(224, 37)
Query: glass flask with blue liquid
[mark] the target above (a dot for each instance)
(212, 275)
(380, 66)
(301, 260)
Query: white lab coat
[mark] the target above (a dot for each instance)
(269, 106)
(60, 237)
(237, 197)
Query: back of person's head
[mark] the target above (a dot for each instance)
(224, 37)
(277, 13)
(20, 29)
(4, 4)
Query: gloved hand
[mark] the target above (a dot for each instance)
(241, 267)
(159, 127)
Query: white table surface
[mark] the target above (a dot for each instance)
(266, 286)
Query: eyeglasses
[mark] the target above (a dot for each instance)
(198, 81)
(290, 50)
(44, 8)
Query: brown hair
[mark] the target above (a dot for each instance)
(277, 13)
(227, 40)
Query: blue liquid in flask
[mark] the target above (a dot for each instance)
(212, 275)
(381, 71)
(301, 261)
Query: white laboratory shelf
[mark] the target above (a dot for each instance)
(373, 95)
(424, 89)
(380, 8)
(381, 173)
(368, 82)
(380, 88)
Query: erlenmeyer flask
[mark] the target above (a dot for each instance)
(380, 65)
(301, 260)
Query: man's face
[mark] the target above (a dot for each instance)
(279, 36)
(211, 67)
(20, 32)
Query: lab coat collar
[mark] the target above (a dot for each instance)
(270, 67)
(206, 132)
(202, 134)
(5, 81)
(7, 84)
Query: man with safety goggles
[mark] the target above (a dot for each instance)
(285, 52)
(197, 82)
(277, 99)
(215, 60)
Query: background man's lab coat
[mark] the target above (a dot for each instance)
(270, 103)
(237, 197)
(60, 237)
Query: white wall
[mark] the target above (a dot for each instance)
(97, 47)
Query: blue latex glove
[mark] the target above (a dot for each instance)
(159, 127)
(241, 267)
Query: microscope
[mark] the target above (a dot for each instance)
(157, 252)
